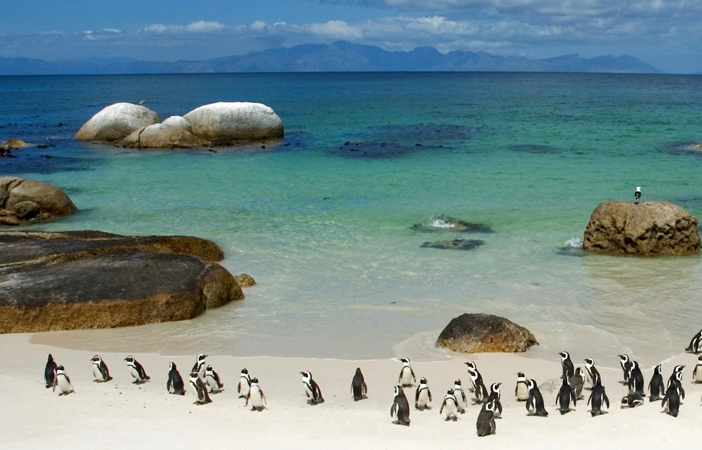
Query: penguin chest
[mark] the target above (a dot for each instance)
(423, 399)
(406, 376)
(309, 391)
(460, 404)
(450, 408)
(522, 392)
(212, 383)
(244, 387)
(63, 384)
(195, 390)
(698, 374)
(255, 398)
(97, 373)
(135, 373)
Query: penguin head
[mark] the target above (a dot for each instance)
(96, 359)
(658, 369)
(531, 384)
(423, 381)
(254, 380)
(495, 387)
(471, 366)
(457, 383)
(521, 376)
(398, 390)
(59, 367)
(579, 372)
(51, 359)
(405, 361)
(678, 369)
(208, 369)
(590, 362)
(564, 356)
(449, 393)
(699, 359)
(129, 359)
(624, 358)
(358, 371)
(244, 371)
(306, 376)
(201, 358)
(171, 366)
(490, 406)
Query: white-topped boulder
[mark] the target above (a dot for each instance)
(225, 122)
(116, 121)
(178, 122)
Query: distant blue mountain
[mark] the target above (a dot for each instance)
(341, 56)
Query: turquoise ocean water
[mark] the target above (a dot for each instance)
(326, 228)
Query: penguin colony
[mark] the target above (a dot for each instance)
(203, 380)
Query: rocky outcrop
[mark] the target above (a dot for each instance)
(456, 244)
(480, 333)
(86, 279)
(162, 135)
(115, 122)
(245, 280)
(28, 201)
(230, 122)
(445, 223)
(648, 228)
(14, 144)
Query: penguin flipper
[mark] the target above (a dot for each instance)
(606, 399)
(429, 392)
(413, 377)
(392, 409)
(365, 389)
(248, 396)
(442, 407)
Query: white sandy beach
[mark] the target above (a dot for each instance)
(119, 414)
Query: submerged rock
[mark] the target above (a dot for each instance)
(456, 244)
(245, 280)
(28, 201)
(445, 223)
(230, 122)
(649, 228)
(116, 122)
(14, 144)
(479, 333)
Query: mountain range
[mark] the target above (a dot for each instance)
(341, 56)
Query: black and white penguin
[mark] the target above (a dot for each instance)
(312, 390)
(199, 389)
(100, 371)
(565, 395)
(450, 405)
(521, 391)
(486, 420)
(479, 390)
(676, 380)
(636, 379)
(199, 366)
(592, 372)
(535, 402)
(213, 381)
(697, 371)
(358, 386)
(598, 397)
(406, 378)
(695, 343)
(136, 370)
(460, 396)
(494, 398)
(637, 195)
(471, 367)
(656, 388)
(422, 396)
(625, 362)
(255, 397)
(244, 383)
(49, 371)
(175, 382)
(400, 407)
(62, 381)
(577, 383)
(671, 401)
(568, 367)
(632, 400)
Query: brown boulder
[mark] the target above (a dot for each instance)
(480, 333)
(245, 280)
(29, 201)
(648, 228)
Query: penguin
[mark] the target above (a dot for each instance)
(100, 371)
(407, 377)
(62, 381)
(422, 396)
(521, 391)
(471, 367)
(400, 407)
(626, 365)
(255, 397)
(199, 390)
(311, 389)
(568, 367)
(632, 400)
(597, 397)
(535, 402)
(697, 371)
(636, 379)
(199, 366)
(577, 382)
(451, 406)
(486, 420)
(175, 382)
(671, 401)
(358, 386)
(676, 380)
(592, 372)
(565, 395)
(695, 343)
(136, 370)
(656, 388)
(213, 381)
(479, 390)
(460, 396)
(244, 383)
(637, 195)
(49, 371)
(494, 398)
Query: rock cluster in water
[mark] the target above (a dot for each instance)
(27, 201)
(91, 279)
(216, 124)
(480, 333)
(648, 228)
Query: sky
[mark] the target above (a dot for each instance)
(664, 33)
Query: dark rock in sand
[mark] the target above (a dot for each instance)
(456, 244)
(445, 223)
(649, 228)
(28, 201)
(245, 280)
(63, 281)
(479, 333)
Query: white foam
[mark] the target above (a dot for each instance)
(574, 243)
(440, 222)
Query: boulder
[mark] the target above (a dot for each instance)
(29, 201)
(161, 135)
(648, 228)
(245, 280)
(116, 122)
(14, 144)
(456, 244)
(445, 223)
(230, 122)
(480, 333)
(86, 279)
(178, 122)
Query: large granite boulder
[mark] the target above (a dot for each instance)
(162, 135)
(480, 333)
(87, 279)
(28, 201)
(231, 122)
(116, 122)
(648, 228)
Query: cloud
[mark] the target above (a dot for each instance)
(200, 26)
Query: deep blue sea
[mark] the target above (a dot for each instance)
(323, 221)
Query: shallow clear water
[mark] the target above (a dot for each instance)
(326, 228)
